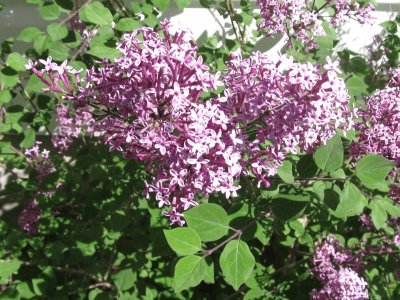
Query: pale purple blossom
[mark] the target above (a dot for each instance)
(284, 107)
(150, 100)
(378, 128)
(39, 159)
(338, 270)
(71, 124)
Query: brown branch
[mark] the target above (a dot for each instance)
(231, 11)
(74, 12)
(237, 234)
(61, 269)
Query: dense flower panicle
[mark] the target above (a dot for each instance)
(156, 83)
(292, 105)
(72, 125)
(150, 96)
(379, 124)
(346, 285)
(152, 92)
(302, 20)
(338, 271)
(29, 217)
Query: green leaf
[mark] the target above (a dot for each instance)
(127, 24)
(378, 213)
(58, 51)
(285, 172)
(29, 34)
(151, 21)
(352, 201)
(39, 286)
(359, 65)
(391, 208)
(34, 84)
(289, 207)
(184, 241)
(209, 220)
(182, 3)
(189, 272)
(237, 263)
(57, 31)
(329, 157)
(96, 13)
(40, 44)
(29, 138)
(65, 4)
(356, 86)
(162, 5)
(102, 52)
(49, 11)
(209, 270)
(339, 173)
(390, 26)
(7, 268)
(372, 170)
(246, 18)
(17, 61)
(5, 97)
(330, 32)
(25, 291)
(125, 279)
(8, 78)
(325, 43)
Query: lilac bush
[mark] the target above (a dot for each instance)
(151, 166)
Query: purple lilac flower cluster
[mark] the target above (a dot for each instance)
(302, 20)
(379, 129)
(338, 270)
(72, 125)
(191, 147)
(151, 96)
(39, 159)
(30, 215)
(150, 100)
(292, 105)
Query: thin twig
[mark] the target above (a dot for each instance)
(74, 12)
(237, 234)
(60, 269)
(229, 6)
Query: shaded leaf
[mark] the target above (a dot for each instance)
(237, 263)
(329, 157)
(372, 170)
(352, 201)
